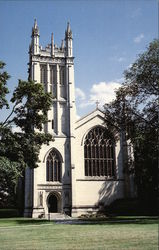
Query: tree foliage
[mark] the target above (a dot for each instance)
(3, 86)
(135, 110)
(21, 149)
(142, 78)
(10, 172)
(31, 105)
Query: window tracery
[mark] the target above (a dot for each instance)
(53, 167)
(99, 153)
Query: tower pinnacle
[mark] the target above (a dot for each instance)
(35, 38)
(68, 41)
(68, 27)
(68, 32)
(35, 29)
(35, 23)
(52, 44)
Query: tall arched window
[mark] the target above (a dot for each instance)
(99, 153)
(53, 167)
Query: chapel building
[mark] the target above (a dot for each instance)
(82, 169)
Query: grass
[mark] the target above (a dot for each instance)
(116, 233)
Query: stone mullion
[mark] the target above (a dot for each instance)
(106, 158)
(111, 167)
(95, 161)
(54, 81)
(86, 167)
(88, 163)
(51, 79)
(47, 77)
(53, 162)
(47, 171)
(86, 160)
(54, 168)
(112, 160)
(58, 97)
(90, 160)
(99, 167)
(57, 170)
(103, 163)
(100, 172)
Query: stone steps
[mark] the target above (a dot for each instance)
(57, 216)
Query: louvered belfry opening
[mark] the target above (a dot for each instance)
(99, 153)
(53, 167)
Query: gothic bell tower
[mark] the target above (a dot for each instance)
(53, 66)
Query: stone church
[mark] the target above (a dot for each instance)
(82, 169)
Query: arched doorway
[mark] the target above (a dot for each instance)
(53, 204)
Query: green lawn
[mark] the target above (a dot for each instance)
(119, 233)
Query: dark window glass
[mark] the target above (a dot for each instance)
(99, 153)
(53, 167)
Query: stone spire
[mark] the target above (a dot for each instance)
(62, 44)
(35, 38)
(35, 29)
(35, 23)
(68, 33)
(68, 41)
(68, 27)
(52, 44)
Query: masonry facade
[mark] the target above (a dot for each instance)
(82, 169)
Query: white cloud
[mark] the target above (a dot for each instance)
(80, 94)
(118, 59)
(86, 104)
(104, 92)
(129, 66)
(119, 80)
(138, 38)
(121, 59)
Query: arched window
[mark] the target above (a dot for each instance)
(99, 153)
(53, 167)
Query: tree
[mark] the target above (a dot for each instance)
(31, 104)
(3, 87)
(10, 172)
(135, 111)
(21, 149)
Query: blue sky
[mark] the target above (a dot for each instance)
(108, 35)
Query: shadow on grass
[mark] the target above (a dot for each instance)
(31, 221)
(85, 221)
(110, 221)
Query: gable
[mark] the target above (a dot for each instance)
(94, 118)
